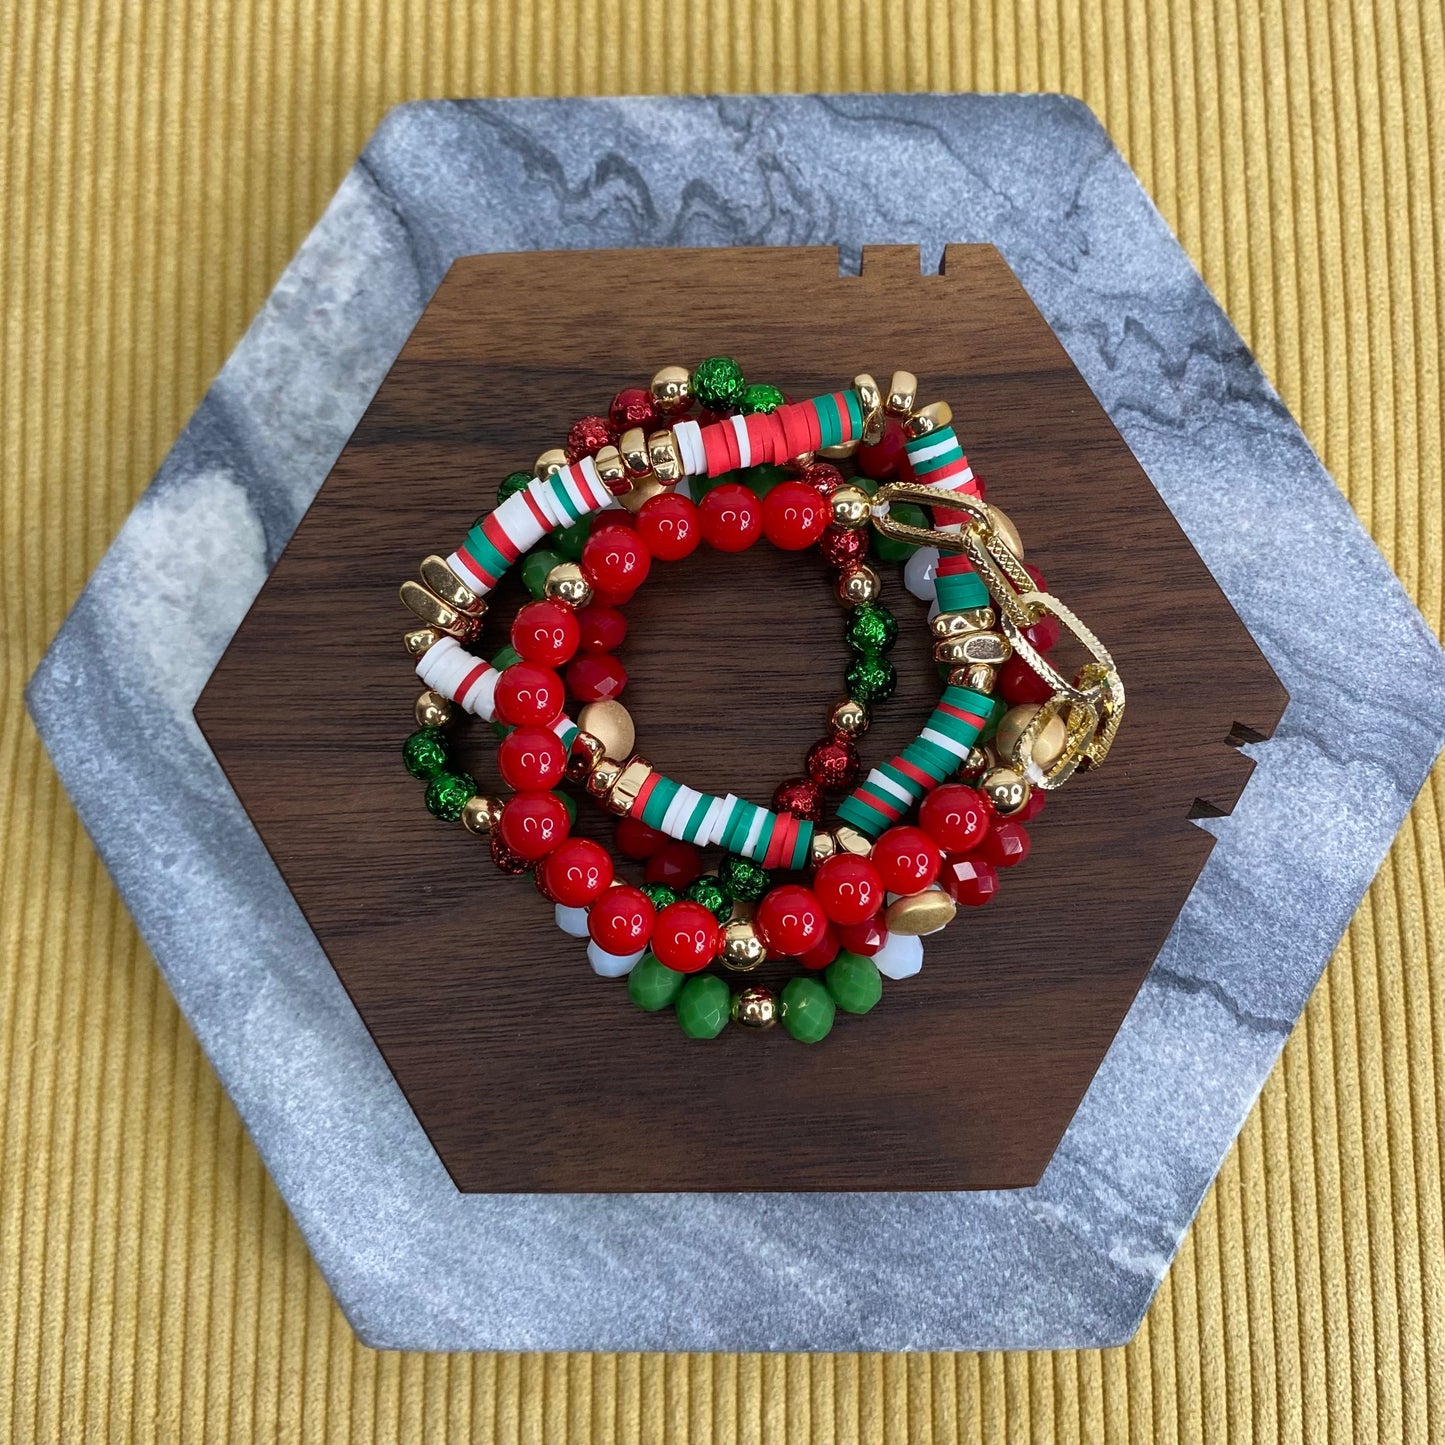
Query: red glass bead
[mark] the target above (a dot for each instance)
(595, 675)
(529, 693)
(731, 517)
(602, 627)
(866, 937)
(823, 477)
(1007, 844)
(794, 516)
(849, 888)
(907, 860)
(621, 920)
(546, 632)
(587, 437)
(842, 547)
(822, 953)
(833, 764)
(1019, 683)
(800, 797)
(637, 841)
(886, 459)
(532, 824)
(670, 526)
(790, 920)
(967, 878)
(506, 860)
(531, 759)
(615, 560)
(1044, 633)
(685, 936)
(576, 872)
(956, 817)
(675, 864)
(632, 407)
(1039, 583)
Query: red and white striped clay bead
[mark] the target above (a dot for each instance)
(448, 668)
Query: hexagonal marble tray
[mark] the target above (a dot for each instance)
(1073, 1261)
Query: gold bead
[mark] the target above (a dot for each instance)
(977, 763)
(449, 587)
(850, 840)
(849, 718)
(632, 447)
(623, 793)
(552, 460)
(1005, 789)
(851, 507)
(479, 814)
(742, 949)
(839, 451)
(642, 492)
(672, 389)
(871, 400)
(967, 647)
(421, 640)
(823, 846)
(433, 710)
(438, 614)
(605, 772)
(611, 724)
(858, 586)
(902, 393)
(955, 624)
(921, 913)
(565, 583)
(1008, 533)
(804, 460)
(755, 1008)
(1048, 745)
(978, 676)
(665, 459)
(611, 470)
(928, 419)
(584, 755)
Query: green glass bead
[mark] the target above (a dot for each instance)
(660, 894)
(871, 628)
(505, 657)
(808, 1010)
(652, 985)
(890, 549)
(743, 878)
(535, 567)
(569, 541)
(762, 397)
(870, 679)
(762, 480)
(854, 982)
(425, 753)
(448, 793)
(512, 484)
(703, 1004)
(712, 895)
(568, 802)
(718, 383)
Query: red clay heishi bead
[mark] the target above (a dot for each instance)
(637, 841)
(1007, 844)
(594, 676)
(968, 878)
(675, 864)
(731, 517)
(794, 516)
(800, 797)
(685, 936)
(529, 693)
(632, 407)
(602, 627)
(616, 562)
(865, 938)
(532, 824)
(621, 920)
(822, 953)
(849, 888)
(955, 817)
(1019, 683)
(907, 860)
(670, 526)
(833, 764)
(531, 759)
(576, 872)
(790, 920)
(588, 436)
(546, 632)
(886, 459)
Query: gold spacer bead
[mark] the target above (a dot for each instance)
(849, 718)
(672, 389)
(585, 754)
(822, 847)
(611, 470)
(623, 793)
(552, 460)
(1006, 790)
(928, 419)
(430, 608)
(1048, 746)
(978, 676)
(565, 583)
(850, 840)
(839, 452)
(902, 393)
(609, 722)
(755, 1008)
(921, 913)
(665, 459)
(871, 401)
(742, 949)
(433, 710)
(642, 492)
(955, 624)
(859, 585)
(479, 814)
(1007, 532)
(851, 506)
(632, 447)
(421, 640)
(605, 772)
(449, 587)
(967, 647)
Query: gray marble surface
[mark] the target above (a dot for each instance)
(1071, 1262)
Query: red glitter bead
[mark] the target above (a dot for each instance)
(886, 458)
(631, 407)
(907, 860)
(833, 764)
(1007, 844)
(866, 937)
(956, 817)
(576, 872)
(532, 824)
(615, 560)
(670, 526)
(731, 517)
(531, 759)
(800, 797)
(594, 676)
(602, 627)
(967, 878)
(637, 841)
(1019, 683)
(823, 477)
(790, 920)
(529, 693)
(849, 888)
(685, 936)
(794, 516)
(546, 632)
(842, 547)
(505, 859)
(621, 920)
(675, 864)
(1044, 633)
(822, 953)
(587, 437)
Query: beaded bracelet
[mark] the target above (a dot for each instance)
(875, 885)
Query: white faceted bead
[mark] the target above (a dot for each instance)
(572, 921)
(919, 573)
(612, 965)
(900, 957)
(933, 610)
(684, 488)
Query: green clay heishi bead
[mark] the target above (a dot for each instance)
(960, 592)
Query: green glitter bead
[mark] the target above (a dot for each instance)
(718, 383)
(890, 549)
(652, 985)
(762, 397)
(743, 878)
(448, 793)
(854, 982)
(808, 1010)
(512, 484)
(425, 753)
(661, 896)
(569, 541)
(712, 895)
(535, 567)
(871, 628)
(870, 679)
(762, 480)
(702, 1006)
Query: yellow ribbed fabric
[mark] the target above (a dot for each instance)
(159, 163)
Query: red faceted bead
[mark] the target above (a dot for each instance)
(886, 459)
(833, 764)
(907, 860)
(822, 953)
(587, 437)
(849, 888)
(546, 632)
(505, 859)
(1007, 844)
(532, 824)
(956, 817)
(594, 676)
(823, 477)
(615, 560)
(621, 920)
(866, 937)
(576, 872)
(800, 797)
(967, 878)
(1044, 633)
(632, 407)
(1019, 683)
(529, 693)
(843, 547)
(602, 627)
(790, 920)
(731, 517)
(982, 486)
(794, 516)
(686, 936)
(531, 759)
(1032, 808)
(637, 841)
(670, 526)
(1039, 583)
(675, 864)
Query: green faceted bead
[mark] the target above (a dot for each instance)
(870, 679)
(703, 1004)
(712, 895)
(569, 541)
(535, 567)
(808, 1010)
(871, 628)
(448, 793)
(505, 657)
(425, 753)
(661, 895)
(762, 480)
(854, 982)
(743, 878)
(890, 549)
(512, 484)
(652, 985)
(718, 383)
(568, 802)
(761, 396)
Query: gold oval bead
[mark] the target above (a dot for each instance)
(858, 586)
(1048, 745)
(552, 460)
(565, 583)
(671, 389)
(1005, 789)
(742, 949)
(664, 457)
(449, 587)
(584, 755)
(850, 840)
(623, 793)
(956, 624)
(1008, 533)
(421, 640)
(990, 647)
(902, 393)
(611, 470)
(632, 447)
(433, 709)
(839, 451)
(849, 717)
(755, 1008)
(851, 507)
(609, 722)
(977, 676)
(642, 492)
(949, 650)
(823, 846)
(436, 613)
(920, 914)
(928, 419)
(479, 814)
(871, 401)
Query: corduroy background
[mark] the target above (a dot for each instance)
(159, 163)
